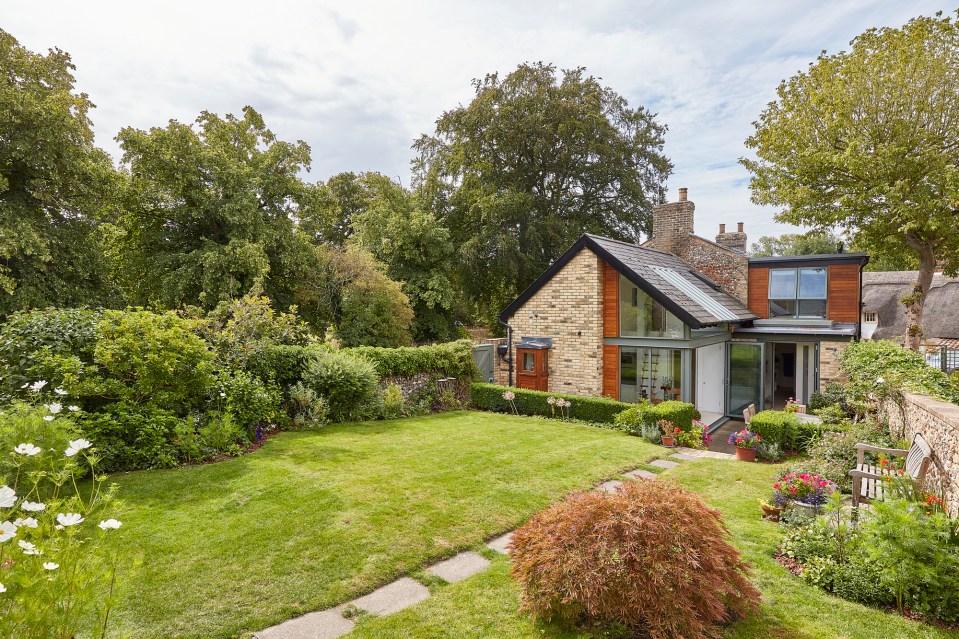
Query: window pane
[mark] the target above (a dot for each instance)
(628, 308)
(812, 308)
(782, 308)
(627, 375)
(812, 283)
(667, 374)
(782, 284)
(529, 361)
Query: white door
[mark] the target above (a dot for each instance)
(710, 371)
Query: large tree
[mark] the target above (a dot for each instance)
(812, 243)
(869, 139)
(53, 184)
(533, 161)
(210, 215)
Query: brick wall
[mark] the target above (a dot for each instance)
(938, 423)
(672, 224)
(569, 309)
(729, 269)
(829, 353)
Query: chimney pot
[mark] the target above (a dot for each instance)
(682, 193)
(740, 224)
(722, 229)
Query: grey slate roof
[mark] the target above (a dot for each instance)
(666, 278)
(881, 292)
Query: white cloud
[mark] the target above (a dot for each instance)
(360, 81)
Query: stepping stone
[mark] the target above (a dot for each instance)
(501, 543)
(684, 457)
(463, 565)
(326, 624)
(663, 463)
(393, 597)
(609, 486)
(639, 473)
(695, 452)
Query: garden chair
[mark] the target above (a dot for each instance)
(748, 413)
(868, 481)
(800, 408)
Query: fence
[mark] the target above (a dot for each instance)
(944, 358)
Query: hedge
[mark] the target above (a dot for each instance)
(867, 361)
(453, 359)
(489, 397)
(785, 429)
(680, 414)
(283, 365)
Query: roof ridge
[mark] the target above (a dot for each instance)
(629, 244)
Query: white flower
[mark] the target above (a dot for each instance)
(550, 400)
(55, 407)
(49, 565)
(3, 588)
(25, 385)
(33, 506)
(7, 497)
(48, 418)
(60, 391)
(36, 387)
(110, 524)
(28, 548)
(7, 530)
(26, 449)
(880, 380)
(73, 409)
(28, 522)
(69, 519)
(80, 444)
(222, 394)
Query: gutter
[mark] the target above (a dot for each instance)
(509, 350)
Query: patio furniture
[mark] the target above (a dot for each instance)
(748, 413)
(800, 408)
(868, 480)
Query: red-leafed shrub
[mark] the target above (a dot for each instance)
(651, 556)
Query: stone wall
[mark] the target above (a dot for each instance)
(569, 309)
(938, 422)
(829, 369)
(728, 268)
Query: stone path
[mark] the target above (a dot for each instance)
(405, 592)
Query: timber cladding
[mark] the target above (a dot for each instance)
(611, 371)
(610, 329)
(843, 295)
(759, 291)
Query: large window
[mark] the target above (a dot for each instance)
(642, 316)
(655, 374)
(797, 292)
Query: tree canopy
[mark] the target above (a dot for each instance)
(53, 184)
(536, 159)
(813, 243)
(869, 139)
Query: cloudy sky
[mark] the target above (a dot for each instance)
(359, 80)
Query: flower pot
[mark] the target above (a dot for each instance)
(810, 509)
(746, 454)
(771, 512)
(668, 441)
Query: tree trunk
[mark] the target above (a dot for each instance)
(917, 298)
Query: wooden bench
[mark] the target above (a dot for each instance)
(868, 481)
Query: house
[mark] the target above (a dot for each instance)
(884, 315)
(682, 317)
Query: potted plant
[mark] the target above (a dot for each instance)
(770, 512)
(669, 432)
(803, 490)
(745, 443)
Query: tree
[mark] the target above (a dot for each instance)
(210, 215)
(53, 184)
(869, 139)
(813, 243)
(530, 164)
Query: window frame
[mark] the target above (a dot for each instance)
(797, 298)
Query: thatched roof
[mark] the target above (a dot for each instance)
(881, 292)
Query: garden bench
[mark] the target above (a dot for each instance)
(748, 413)
(868, 481)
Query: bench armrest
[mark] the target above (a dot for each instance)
(865, 474)
(862, 448)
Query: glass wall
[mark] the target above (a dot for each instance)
(655, 374)
(642, 316)
(745, 377)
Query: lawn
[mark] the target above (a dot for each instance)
(486, 605)
(314, 519)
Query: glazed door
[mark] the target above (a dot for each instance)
(533, 370)
(744, 377)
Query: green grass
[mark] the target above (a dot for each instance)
(486, 605)
(314, 519)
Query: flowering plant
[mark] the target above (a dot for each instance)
(667, 428)
(803, 487)
(791, 405)
(744, 439)
(510, 396)
(560, 403)
(696, 437)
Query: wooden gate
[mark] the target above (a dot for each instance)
(483, 357)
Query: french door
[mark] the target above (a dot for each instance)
(744, 377)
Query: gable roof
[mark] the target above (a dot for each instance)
(883, 290)
(688, 295)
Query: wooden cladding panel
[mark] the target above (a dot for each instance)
(843, 293)
(610, 301)
(611, 371)
(759, 291)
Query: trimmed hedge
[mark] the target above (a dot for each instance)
(489, 397)
(680, 414)
(453, 359)
(785, 429)
(283, 365)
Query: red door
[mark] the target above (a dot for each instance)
(533, 369)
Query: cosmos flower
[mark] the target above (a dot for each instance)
(69, 519)
(26, 449)
(110, 524)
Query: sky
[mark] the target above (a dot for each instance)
(359, 81)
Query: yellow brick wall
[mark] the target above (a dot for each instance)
(569, 309)
(829, 353)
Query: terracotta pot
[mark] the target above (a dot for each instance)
(746, 454)
(668, 441)
(771, 512)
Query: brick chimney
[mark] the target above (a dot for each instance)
(672, 223)
(735, 240)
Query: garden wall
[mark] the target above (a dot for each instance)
(938, 422)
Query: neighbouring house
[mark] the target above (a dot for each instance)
(884, 315)
(682, 317)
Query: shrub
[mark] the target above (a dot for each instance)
(348, 383)
(19, 423)
(769, 451)
(489, 397)
(867, 361)
(247, 399)
(131, 437)
(451, 359)
(696, 437)
(834, 454)
(394, 403)
(651, 556)
(831, 394)
(239, 329)
(861, 581)
(305, 407)
(221, 434)
(817, 539)
(784, 429)
(283, 365)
